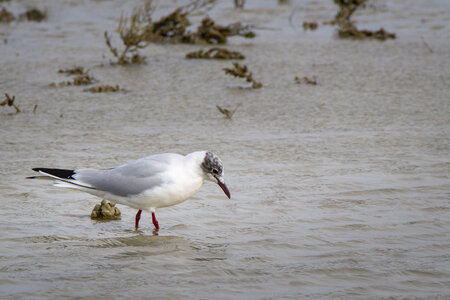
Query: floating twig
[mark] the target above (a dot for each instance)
(227, 113)
(10, 102)
(243, 72)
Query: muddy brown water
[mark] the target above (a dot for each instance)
(339, 190)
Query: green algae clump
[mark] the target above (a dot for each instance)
(105, 211)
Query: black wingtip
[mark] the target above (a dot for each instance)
(61, 173)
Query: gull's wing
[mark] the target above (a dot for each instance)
(129, 179)
(132, 178)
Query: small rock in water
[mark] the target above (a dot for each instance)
(106, 211)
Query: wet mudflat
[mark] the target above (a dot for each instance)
(340, 189)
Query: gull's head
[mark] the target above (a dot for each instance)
(212, 168)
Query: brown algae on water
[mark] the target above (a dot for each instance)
(215, 53)
(6, 16)
(212, 33)
(34, 15)
(243, 72)
(9, 101)
(74, 71)
(82, 77)
(103, 89)
(134, 35)
(306, 80)
(310, 25)
(226, 112)
(347, 28)
(105, 211)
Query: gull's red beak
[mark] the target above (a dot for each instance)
(223, 186)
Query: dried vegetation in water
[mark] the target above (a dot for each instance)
(134, 35)
(74, 71)
(215, 53)
(6, 16)
(105, 211)
(347, 28)
(10, 102)
(34, 15)
(239, 3)
(212, 33)
(82, 77)
(306, 80)
(310, 25)
(226, 112)
(103, 89)
(242, 72)
(139, 30)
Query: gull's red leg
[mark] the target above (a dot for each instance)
(138, 217)
(155, 222)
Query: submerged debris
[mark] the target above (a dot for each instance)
(170, 28)
(347, 28)
(215, 53)
(310, 25)
(6, 16)
(227, 113)
(10, 102)
(211, 33)
(353, 32)
(33, 15)
(239, 3)
(134, 35)
(243, 72)
(306, 80)
(105, 210)
(83, 78)
(74, 71)
(103, 89)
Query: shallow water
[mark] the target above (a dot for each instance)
(339, 190)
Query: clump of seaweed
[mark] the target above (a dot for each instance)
(82, 77)
(310, 25)
(212, 33)
(170, 28)
(74, 71)
(306, 80)
(134, 34)
(226, 112)
(243, 72)
(105, 211)
(347, 28)
(215, 53)
(353, 32)
(103, 89)
(33, 14)
(6, 16)
(10, 102)
(173, 27)
(239, 4)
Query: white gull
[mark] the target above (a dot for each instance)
(148, 183)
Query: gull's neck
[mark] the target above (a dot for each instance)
(194, 161)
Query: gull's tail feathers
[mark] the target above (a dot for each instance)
(62, 177)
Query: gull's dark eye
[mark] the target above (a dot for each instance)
(215, 172)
